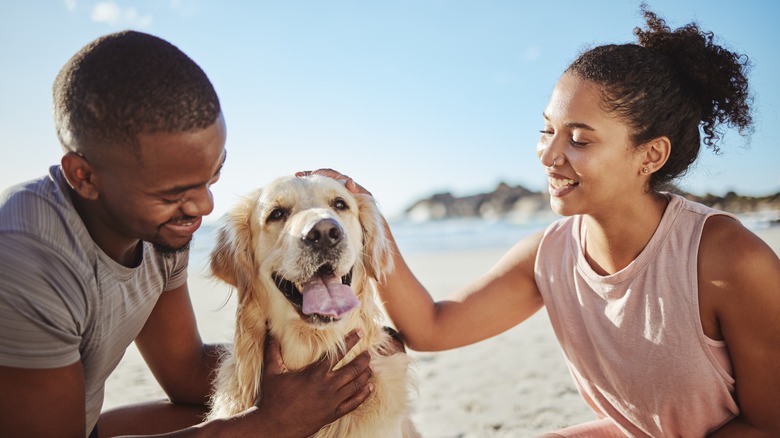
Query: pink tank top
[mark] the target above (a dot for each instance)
(633, 340)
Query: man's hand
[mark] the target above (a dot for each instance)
(302, 402)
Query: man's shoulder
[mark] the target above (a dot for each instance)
(25, 201)
(39, 207)
(41, 213)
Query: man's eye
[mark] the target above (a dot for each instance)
(277, 214)
(340, 204)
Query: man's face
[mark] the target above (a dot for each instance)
(161, 193)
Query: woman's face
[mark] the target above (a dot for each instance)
(596, 167)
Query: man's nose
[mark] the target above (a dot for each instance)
(200, 203)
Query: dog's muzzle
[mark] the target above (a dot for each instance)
(324, 235)
(319, 305)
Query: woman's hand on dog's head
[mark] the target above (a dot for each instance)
(317, 394)
(348, 182)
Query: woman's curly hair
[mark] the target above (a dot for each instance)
(673, 84)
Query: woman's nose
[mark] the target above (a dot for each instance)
(546, 153)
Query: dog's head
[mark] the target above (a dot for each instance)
(296, 246)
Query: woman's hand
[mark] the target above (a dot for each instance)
(349, 183)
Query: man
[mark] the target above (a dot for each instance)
(94, 256)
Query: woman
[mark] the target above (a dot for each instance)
(666, 310)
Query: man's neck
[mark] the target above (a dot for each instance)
(122, 249)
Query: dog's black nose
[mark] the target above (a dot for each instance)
(324, 234)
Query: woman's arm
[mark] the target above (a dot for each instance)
(498, 300)
(739, 292)
(493, 303)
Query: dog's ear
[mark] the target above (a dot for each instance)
(234, 261)
(233, 256)
(377, 255)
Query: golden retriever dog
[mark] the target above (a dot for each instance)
(304, 255)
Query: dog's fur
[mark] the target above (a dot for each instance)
(264, 236)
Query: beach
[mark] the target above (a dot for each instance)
(513, 385)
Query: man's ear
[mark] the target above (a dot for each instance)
(656, 153)
(80, 175)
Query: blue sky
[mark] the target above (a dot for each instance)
(408, 97)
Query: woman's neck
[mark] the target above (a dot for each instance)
(613, 241)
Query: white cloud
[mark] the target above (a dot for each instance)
(111, 13)
(106, 12)
(70, 5)
(185, 8)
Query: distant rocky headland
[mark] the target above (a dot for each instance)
(518, 204)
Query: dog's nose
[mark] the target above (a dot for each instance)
(324, 234)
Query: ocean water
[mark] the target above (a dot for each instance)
(455, 234)
(459, 234)
(417, 237)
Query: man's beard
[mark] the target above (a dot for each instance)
(165, 249)
(169, 251)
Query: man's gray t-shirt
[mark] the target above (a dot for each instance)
(62, 299)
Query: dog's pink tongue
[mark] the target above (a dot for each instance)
(327, 296)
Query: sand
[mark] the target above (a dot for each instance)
(513, 385)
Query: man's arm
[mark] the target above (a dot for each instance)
(324, 394)
(184, 366)
(42, 389)
(42, 402)
(171, 345)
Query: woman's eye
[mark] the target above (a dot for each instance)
(340, 204)
(545, 137)
(579, 144)
(277, 214)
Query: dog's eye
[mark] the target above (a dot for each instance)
(277, 214)
(340, 204)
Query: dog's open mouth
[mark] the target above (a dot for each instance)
(323, 298)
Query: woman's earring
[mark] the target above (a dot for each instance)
(645, 170)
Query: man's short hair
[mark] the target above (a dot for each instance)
(127, 83)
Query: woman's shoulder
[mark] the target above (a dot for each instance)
(738, 279)
(734, 259)
(726, 238)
